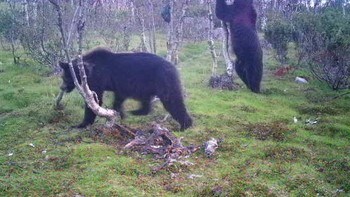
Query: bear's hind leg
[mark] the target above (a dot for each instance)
(242, 72)
(255, 79)
(145, 108)
(254, 74)
(176, 107)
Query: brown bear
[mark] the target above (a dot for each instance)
(241, 17)
(140, 76)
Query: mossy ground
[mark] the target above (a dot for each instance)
(264, 153)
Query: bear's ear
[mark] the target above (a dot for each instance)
(63, 65)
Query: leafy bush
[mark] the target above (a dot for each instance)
(278, 32)
(35, 34)
(7, 24)
(323, 40)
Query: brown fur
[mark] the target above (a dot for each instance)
(140, 76)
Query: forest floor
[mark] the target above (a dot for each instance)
(264, 151)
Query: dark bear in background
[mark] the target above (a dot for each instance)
(241, 17)
(130, 75)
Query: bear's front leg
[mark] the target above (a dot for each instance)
(89, 115)
(89, 118)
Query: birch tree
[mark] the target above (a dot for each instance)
(225, 49)
(225, 45)
(175, 29)
(89, 96)
(210, 38)
(152, 37)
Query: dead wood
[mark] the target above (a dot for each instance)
(157, 141)
(163, 144)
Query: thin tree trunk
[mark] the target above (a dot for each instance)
(26, 12)
(211, 40)
(152, 39)
(132, 7)
(170, 32)
(179, 32)
(143, 35)
(143, 30)
(225, 49)
(70, 32)
(13, 49)
(175, 42)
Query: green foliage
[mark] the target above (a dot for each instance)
(5, 22)
(324, 42)
(331, 24)
(278, 32)
(336, 28)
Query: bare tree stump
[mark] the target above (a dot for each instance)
(223, 82)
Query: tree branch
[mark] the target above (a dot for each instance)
(82, 88)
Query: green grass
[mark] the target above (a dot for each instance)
(264, 153)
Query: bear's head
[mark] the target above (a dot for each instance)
(67, 79)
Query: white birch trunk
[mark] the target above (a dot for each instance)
(174, 43)
(211, 40)
(170, 36)
(26, 12)
(143, 36)
(132, 7)
(152, 40)
(225, 49)
(143, 31)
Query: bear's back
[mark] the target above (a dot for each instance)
(126, 72)
(104, 58)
